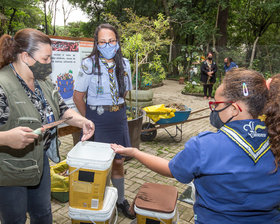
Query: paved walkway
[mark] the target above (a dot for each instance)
(162, 145)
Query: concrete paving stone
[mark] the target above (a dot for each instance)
(141, 174)
(56, 205)
(64, 210)
(135, 187)
(187, 214)
(139, 181)
(59, 218)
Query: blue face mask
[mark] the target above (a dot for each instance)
(109, 51)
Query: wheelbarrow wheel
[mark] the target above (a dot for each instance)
(148, 135)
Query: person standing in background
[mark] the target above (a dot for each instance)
(229, 64)
(105, 78)
(208, 75)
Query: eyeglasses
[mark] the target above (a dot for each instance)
(214, 104)
(103, 43)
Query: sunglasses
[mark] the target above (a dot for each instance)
(214, 104)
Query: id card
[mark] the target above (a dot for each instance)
(99, 90)
(50, 117)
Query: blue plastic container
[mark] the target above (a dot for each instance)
(180, 116)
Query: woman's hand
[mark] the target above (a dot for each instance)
(123, 150)
(88, 130)
(18, 138)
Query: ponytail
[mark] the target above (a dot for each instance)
(6, 50)
(25, 40)
(272, 121)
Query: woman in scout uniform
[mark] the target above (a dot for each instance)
(233, 169)
(208, 75)
(105, 78)
(28, 101)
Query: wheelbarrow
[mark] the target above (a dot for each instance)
(149, 129)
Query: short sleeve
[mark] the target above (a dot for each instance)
(83, 79)
(185, 166)
(127, 78)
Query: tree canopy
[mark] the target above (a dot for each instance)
(247, 30)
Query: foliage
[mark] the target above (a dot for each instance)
(197, 88)
(192, 87)
(147, 37)
(74, 29)
(20, 14)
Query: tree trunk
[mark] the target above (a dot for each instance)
(172, 51)
(222, 27)
(253, 52)
(46, 21)
(54, 16)
(216, 25)
(214, 40)
(11, 20)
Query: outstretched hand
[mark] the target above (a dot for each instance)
(88, 130)
(129, 151)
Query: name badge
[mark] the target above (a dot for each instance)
(50, 117)
(99, 90)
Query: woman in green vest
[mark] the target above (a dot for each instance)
(28, 100)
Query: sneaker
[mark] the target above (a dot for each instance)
(124, 208)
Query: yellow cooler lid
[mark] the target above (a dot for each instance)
(91, 155)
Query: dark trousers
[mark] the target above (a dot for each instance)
(208, 87)
(15, 202)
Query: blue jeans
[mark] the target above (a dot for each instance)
(15, 202)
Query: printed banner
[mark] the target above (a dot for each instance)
(66, 60)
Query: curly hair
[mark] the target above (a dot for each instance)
(94, 56)
(234, 82)
(25, 40)
(272, 121)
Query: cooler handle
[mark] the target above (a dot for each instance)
(76, 169)
(116, 217)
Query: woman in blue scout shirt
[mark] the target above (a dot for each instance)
(105, 78)
(28, 100)
(233, 169)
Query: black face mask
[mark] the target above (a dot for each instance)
(215, 119)
(41, 71)
(210, 58)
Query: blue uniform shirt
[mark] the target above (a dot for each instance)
(231, 65)
(233, 175)
(99, 93)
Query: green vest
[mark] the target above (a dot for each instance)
(23, 167)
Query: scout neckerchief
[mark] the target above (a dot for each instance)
(113, 88)
(250, 135)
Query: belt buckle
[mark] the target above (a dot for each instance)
(115, 108)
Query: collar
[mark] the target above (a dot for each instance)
(250, 135)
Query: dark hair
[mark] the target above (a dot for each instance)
(272, 121)
(118, 57)
(209, 53)
(229, 59)
(25, 40)
(234, 81)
